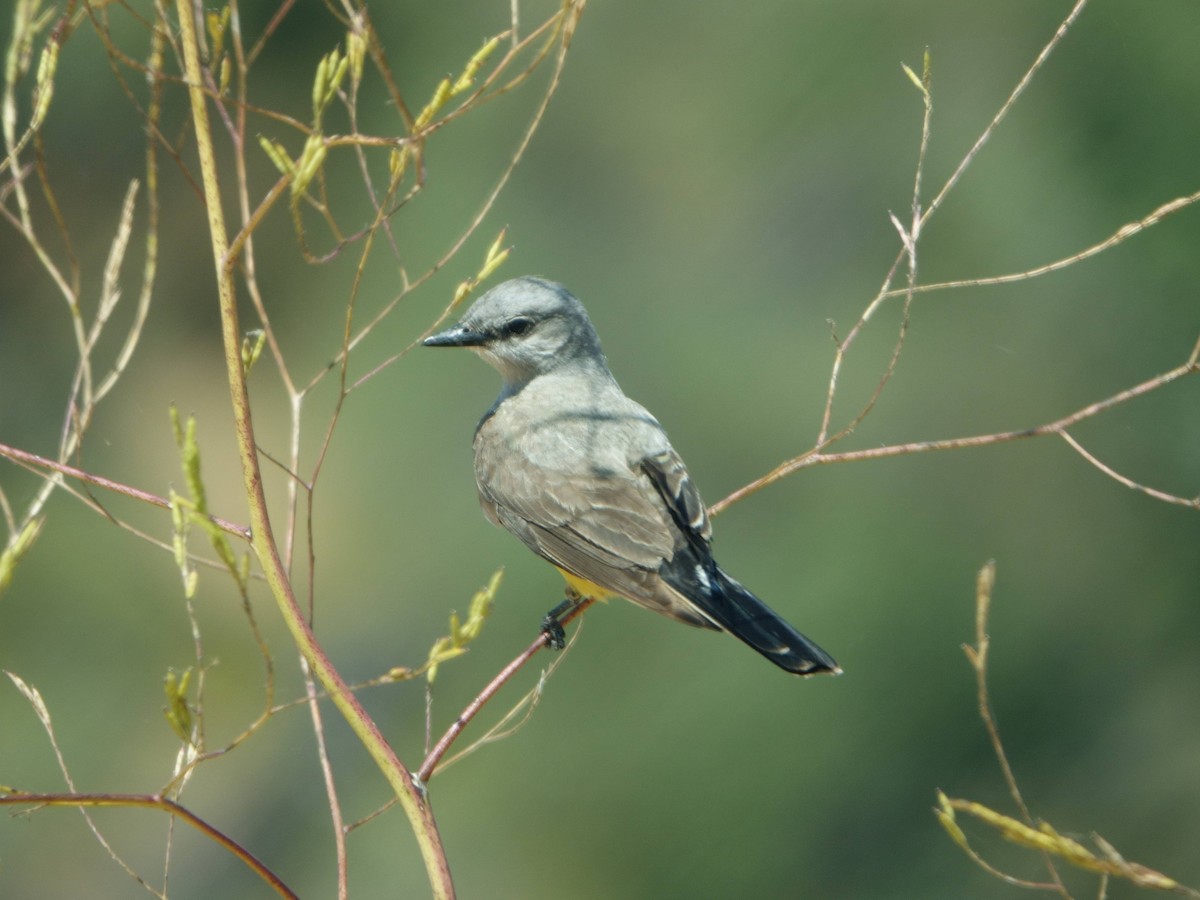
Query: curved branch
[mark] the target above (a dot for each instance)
(152, 801)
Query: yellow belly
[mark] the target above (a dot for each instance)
(586, 588)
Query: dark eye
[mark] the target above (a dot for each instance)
(518, 326)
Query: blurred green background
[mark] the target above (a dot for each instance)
(714, 182)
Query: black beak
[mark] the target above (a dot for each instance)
(458, 336)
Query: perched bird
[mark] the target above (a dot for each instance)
(587, 479)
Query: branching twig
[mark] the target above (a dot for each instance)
(1040, 836)
(909, 238)
(42, 711)
(153, 801)
(977, 655)
(412, 800)
(429, 766)
(1059, 427)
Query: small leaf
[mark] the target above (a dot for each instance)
(318, 89)
(17, 548)
(252, 347)
(225, 76)
(945, 814)
(189, 453)
(44, 90)
(462, 633)
(481, 606)
(278, 156)
(434, 106)
(331, 71)
(335, 80)
(495, 257)
(467, 78)
(216, 24)
(399, 673)
(311, 160)
(356, 51)
(194, 510)
(912, 76)
(34, 698)
(443, 649)
(177, 711)
(398, 162)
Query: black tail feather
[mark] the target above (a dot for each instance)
(754, 623)
(731, 607)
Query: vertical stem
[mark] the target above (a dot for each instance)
(411, 797)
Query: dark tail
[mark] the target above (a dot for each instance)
(751, 621)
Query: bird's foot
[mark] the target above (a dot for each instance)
(556, 638)
(552, 627)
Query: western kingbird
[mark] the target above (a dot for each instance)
(587, 479)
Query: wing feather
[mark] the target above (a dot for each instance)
(601, 494)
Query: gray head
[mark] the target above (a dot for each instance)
(524, 328)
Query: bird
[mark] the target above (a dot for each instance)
(586, 478)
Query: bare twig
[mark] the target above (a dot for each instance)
(331, 794)
(41, 462)
(518, 714)
(153, 801)
(429, 766)
(977, 655)
(42, 711)
(909, 240)
(1059, 427)
(1039, 836)
(1192, 502)
(1122, 234)
(570, 20)
(1026, 79)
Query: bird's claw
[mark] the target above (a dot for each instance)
(556, 638)
(552, 627)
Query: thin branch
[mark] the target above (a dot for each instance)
(429, 766)
(1008, 104)
(978, 657)
(1192, 502)
(815, 456)
(886, 290)
(152, 801)
(571, 15)
(331, 794)
(518, 714)
(1122, 234)
(909, 238)
(32, 459)
(42, 711)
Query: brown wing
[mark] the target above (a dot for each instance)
(608, 527)
(611, 525)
